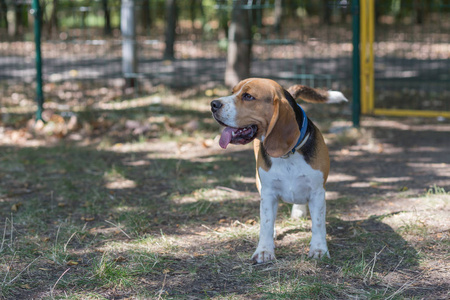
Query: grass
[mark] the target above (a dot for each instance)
(436, 190)
(163, 215)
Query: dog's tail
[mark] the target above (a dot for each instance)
(309, 94)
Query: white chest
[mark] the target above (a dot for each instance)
(290, 179)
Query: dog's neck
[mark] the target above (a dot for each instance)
(303, 128)
(302, 121)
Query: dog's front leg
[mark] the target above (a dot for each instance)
(266, 246)
(317, 209)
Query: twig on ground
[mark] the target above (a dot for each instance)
(4, 236)
(212, 230)
(60, 277)
(17, 276)
(117, 226)
(226, 189)
(371, 268)
(68, 241)
(161, 291)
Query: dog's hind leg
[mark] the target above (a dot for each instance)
(298, 211)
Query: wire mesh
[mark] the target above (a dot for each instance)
(412, 55)
(294, 41)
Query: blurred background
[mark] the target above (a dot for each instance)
(183, 45)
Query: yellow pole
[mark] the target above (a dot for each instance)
(367, 55)
(411, 113)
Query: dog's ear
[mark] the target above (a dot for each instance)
(282, 132)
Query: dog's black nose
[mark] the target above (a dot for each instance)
(215, 105)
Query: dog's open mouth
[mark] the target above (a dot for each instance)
(237, 135)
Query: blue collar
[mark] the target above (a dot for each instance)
(302, 130)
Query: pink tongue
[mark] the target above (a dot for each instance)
(225, 138)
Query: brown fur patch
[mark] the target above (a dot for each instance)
(262, 159)
(283, 130)
(308, 94)
(321, 159)
(260, 110)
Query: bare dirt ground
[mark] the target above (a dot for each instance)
(138, 201)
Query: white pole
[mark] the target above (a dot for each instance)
(128, 28)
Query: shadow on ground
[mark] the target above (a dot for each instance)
(88, 200)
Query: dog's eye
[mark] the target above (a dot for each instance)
(247, 97)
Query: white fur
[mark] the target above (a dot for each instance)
(294, 181)
(228, 111)
(298, 211)
(336, 97)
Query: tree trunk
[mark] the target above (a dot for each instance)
(107, 15)
(53, 22)
(239, 46)
(171, 22)
(278, 15)
(17, 22)
(3, 13)
(192, 8)
(144, 20)
(326, 12)
(419, 11)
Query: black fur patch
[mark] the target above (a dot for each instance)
(309, 148)
(295, 107)
(265, 156)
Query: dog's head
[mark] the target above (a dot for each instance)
(259, 109)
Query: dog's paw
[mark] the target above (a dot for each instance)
(263, 255)
(318, 252)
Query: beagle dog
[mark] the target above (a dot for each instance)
(292, 162)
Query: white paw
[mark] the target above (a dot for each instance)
(318, 252)
(263, 255)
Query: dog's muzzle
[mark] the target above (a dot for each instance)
(216, 105)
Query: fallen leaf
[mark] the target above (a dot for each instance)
(208, 143)
(120, 259)
(375, 184)
(250, 222)
(181, 272)
(72, 263)
(15, 207)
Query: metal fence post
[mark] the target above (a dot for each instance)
(356, 105)
(128, 29)
(367, 31)
(36, 12)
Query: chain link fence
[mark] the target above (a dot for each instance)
(293, 41)
(412, 55)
